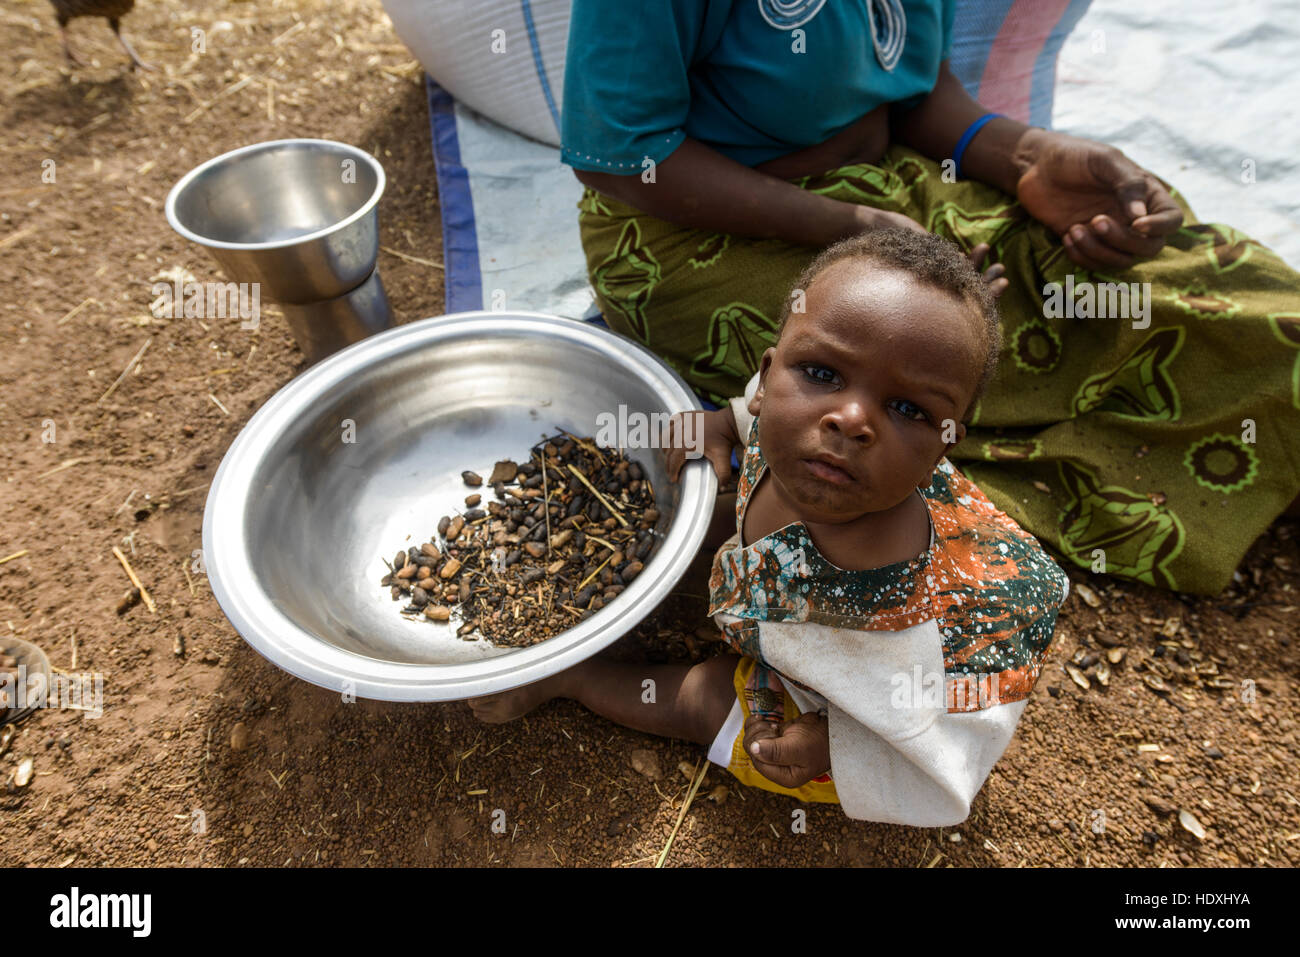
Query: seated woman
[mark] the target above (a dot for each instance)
(1145, 418)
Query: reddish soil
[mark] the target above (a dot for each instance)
(322, 782)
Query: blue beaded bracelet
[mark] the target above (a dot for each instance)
(967, 137)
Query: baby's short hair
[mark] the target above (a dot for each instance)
(930, 259)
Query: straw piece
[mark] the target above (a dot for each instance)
(135, 580)
(14, 237)
(699, 774)
(125, 372)
(412, 259)
(9, 558)
(65, 464)
(77, 309)
(603, 501)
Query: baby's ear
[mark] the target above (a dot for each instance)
(756, 403)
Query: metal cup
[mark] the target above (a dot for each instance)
(300, 218)
(323, 328)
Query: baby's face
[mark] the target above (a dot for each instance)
(855, 396)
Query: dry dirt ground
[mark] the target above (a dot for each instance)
(1097, 775)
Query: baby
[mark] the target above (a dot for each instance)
(889, 622)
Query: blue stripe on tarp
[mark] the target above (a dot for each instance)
(1042, 92)
(527, 9)
(464, 282)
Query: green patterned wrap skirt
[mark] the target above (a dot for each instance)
(1154, 444)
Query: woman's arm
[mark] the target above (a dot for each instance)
(700, 188)
(1108, 211)
(1000, 152)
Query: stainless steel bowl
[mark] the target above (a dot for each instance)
(298, 216)
(298, 521)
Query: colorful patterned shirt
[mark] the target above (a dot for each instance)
(925, 665)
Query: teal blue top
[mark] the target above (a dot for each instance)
(753, 79)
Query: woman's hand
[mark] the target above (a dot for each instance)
(1108, 211)
(791, 753)
(869, 219)
(711, 434)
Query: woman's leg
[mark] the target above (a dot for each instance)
(1164, 424)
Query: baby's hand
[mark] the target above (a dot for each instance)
(792, 753)
(710, 433)
(994, 276)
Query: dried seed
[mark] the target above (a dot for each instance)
(419, 596)
(472, 478)
(23, 775)
(454, 528)
(437, 612)
(1116, 655)
(1088, 595)
(1190, 824)
(560, 539)
(503, 471)
(535, 549)
(1078, 677)
(130, 598)
(428, 583)
(556, 567)
(443, 524)
(472, 500)
(463, 592)
(451, 568)
(408, 571)
(399, 560)
(474, 514)
(630, 571)
(1155, 684)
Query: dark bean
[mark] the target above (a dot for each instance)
(579, 538)
(630, 571)
(581, 599)
(532, 575)
(513, 557)
(443, 524)
(399, 561)
(474, 514)
(471, 478)
(533, 481)
(634, 470)
(419, 597)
